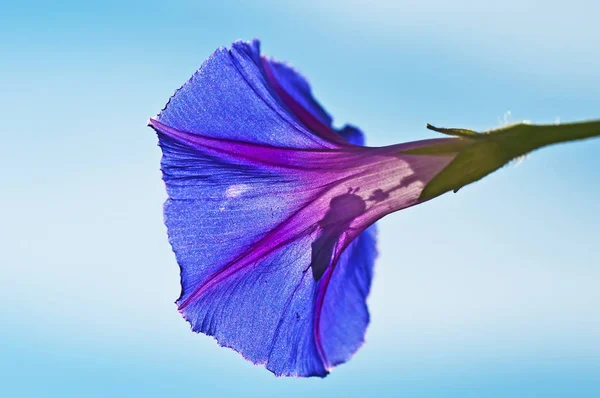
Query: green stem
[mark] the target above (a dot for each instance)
(479, 154)
(526, 138)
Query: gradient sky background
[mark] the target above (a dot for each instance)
(491, 292)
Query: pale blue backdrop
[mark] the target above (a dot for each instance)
(491, 292)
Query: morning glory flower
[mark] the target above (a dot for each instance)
(270, 209)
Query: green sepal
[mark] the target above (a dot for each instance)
(454, 132)
(479, 154)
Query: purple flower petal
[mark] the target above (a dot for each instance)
(266, 216)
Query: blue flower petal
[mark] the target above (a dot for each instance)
(297, 87)
(352, 135)
(217, 210)
(265, 311)
(214, 205)
(344, 315)
(229, 97)
(272, 309)
(295, 93)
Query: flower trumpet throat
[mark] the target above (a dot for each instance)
(271, 209)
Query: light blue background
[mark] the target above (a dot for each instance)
(491, 292)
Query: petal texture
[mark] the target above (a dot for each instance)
(229, 97)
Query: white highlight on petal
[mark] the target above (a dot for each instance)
(233, 191)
